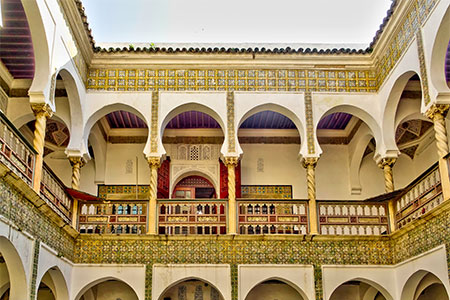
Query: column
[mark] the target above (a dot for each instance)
(154, 163)
(42, 112)
(231, 163)
(437, 113)
(386, 164)
(77, 162)
(309, 163)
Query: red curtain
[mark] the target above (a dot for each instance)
(164, 180)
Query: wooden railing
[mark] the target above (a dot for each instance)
(15, 151)
(352, 218)
(55, 195)
(272, 217)
(422, 195)
(201, 217)
(115, 217)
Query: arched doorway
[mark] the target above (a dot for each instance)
(191, 289)
(194, 187)
(358, 290)
(273, 289)
(424, 285)
(108, 289)
(12, 273)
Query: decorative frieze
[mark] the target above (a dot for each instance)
(232, 80)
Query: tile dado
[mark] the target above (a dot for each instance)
(231, 80)
(17, 208)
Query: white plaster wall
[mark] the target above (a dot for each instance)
(281, 167)
(166, 276)
(23, 244)
(372, 178)
(270, 291)
(300, 277)
(116, 159)
(48, 259)
(86, 276)
(114, 290)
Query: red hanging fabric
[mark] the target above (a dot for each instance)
(164, 180)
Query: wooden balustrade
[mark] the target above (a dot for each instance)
(422, 195)
(201, 217)
(272, 217)
(15, 151)
(352, 218)
(115, 217)
(55, 195)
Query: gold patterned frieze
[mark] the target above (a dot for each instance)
(288, 219)
(257, 219)
(232, 80)
(97, 219)
(127, 219)
(206, 219)
(177, 219)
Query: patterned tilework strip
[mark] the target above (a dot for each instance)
(26, 216)
(33, 283)
(231, 80)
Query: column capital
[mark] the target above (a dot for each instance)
(437, 110)
(42, 109)
(231, 160)
(77, 160)
(154, 161)
(387, 161)
(309, 162)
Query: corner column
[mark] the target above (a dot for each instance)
(309, 163)
(386, 164)
(42, 112)
(437, 113)
(231, 162)
(154, 163)
(77, 163)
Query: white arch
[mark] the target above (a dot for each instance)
(191, 106)
(357, 147)
(16, 271)
(418, 282)
(97, 115)
(58, 284)
(276, 107)
(392, 103)
(363, 115)
(98, 144)
(283, 280)
(438, 53)
(101, 280)
(38, 18)
(372, 283)
(194, 172)
(164, 276)
(74, 92)
(186, 279)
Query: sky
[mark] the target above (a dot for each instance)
(235, 21)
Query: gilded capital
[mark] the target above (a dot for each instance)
(42, 109)
(231, 160)
(154, 161)
(387, 161)
(437, 110)
(309, 162)
(77, 161)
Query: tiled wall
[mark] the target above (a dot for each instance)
(14, 206)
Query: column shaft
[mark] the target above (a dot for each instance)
(437, 114)
(231, 163)
(42, 112)
(76, 162)
(154, 163)
(386, 164)
(309, 164)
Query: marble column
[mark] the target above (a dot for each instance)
(154, 163)
(386, 164)
(231, 162)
